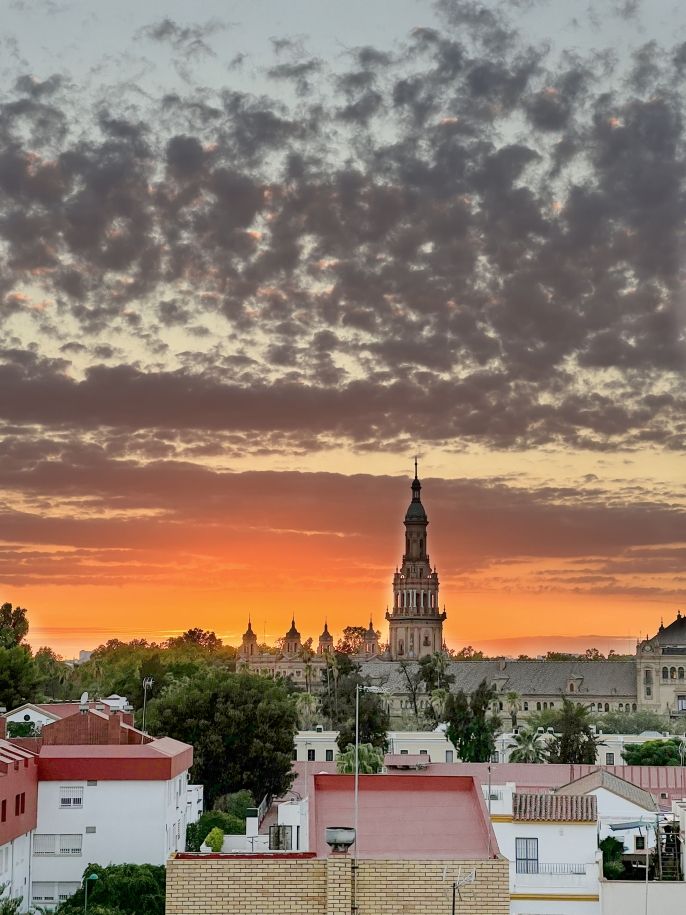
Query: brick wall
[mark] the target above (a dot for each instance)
(323, 886)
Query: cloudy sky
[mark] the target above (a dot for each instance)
(252, 261)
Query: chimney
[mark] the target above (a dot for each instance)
(114, 729)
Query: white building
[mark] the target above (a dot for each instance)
(315, 746)
(108, 804)
(610, 746)
(552, 845)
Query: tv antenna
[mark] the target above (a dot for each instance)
(462, 884)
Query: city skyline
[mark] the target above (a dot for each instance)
(253, 259)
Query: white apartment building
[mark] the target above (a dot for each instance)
(110, 804)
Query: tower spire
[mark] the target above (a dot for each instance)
(415, 468)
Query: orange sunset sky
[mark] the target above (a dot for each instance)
(249, 269)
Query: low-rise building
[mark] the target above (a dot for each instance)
(18, 811)
(419, 843)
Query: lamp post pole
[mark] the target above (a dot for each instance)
(91, 878)
(147, 684)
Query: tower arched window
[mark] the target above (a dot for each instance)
(672, 673)
(681, 673)
(571, 687)
(665, 673)
(607, 706)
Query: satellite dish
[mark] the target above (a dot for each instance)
(84, 699)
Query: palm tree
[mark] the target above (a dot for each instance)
(529, 747)
(514, 704)
(370, 759)
(308, 710)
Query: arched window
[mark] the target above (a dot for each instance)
(526, 706)
(500, 706)
(607, 706)
(538, 706)
(665, 673)
(621, 706)
(545, 705)
(672, 673)
(633, 707)
(681, 673)
(648, 677)
(552, 705)
(571, 687)
(592, 706)
(401, 647)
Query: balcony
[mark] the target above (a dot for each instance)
(554, 875)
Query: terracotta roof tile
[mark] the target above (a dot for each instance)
(560, 808)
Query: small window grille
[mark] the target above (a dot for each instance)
(65, 890)
(71, 797)
(90, 829)
(44, 845)
(43, 892)
(92, 783)
(71, 844)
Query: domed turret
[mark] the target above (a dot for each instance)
(249, 644)
(325, 641)
(292, 643)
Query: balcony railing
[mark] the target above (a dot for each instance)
(541, 867)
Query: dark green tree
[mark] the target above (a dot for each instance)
(631, 722)
(19, 679)
(53, 673)
(435, 672)
(613, 850)
(132, 889)
(472, 724)
(353, 637)
(574, 742)
(241, 727)
(14, 626)
(338, 706)
(196, 638)
(655, 753)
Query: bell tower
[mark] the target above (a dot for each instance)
(415, 623)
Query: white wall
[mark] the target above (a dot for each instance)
(628, 897)
(15, 861)
(615, 809)
(35, 717)
(435, 743)
(318, 742)
(136, 822)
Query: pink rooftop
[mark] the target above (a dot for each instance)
(402, 816)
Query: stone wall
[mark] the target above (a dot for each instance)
(305, 885)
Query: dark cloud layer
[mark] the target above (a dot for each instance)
(459, 238)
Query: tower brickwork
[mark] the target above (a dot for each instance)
(415, 622)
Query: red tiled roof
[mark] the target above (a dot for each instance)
(556, 808)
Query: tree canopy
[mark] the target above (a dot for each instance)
(655, 753)
(574, 742)
(472, 724)
(14, 626)
(19, 679)
(241, 727)
(632, 722)
(370, 759)
(130, 889)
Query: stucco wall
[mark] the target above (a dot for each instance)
(620, 897)
(319, 886)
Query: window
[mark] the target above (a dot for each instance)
(295, 753)
(495, 757)
(310, 755)
(17, 804)
(71, 797)
(609, 759)
(607, 706)
(526, 853)
(665, 673)
(329, 755)
(538, 706)
(46, 844)
(449, 756)
(633, 707)
(672, 673)
(423, 752)
(65, 890)
(91, 783)
(681, 703)
(571, 687)
(43, 892)
(22, 802)
(639, 843)
(681, 673)
(404, 752)
(280, 838)
(3, 812)
(526, 706)
(90, 829)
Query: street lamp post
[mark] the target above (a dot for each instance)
(91, 878)
(147, 684)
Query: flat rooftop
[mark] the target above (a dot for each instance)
(402, 816)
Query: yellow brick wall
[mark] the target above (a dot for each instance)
(318, 886)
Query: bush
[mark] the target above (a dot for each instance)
(236, 804)
(229, 824)
(613, 866)
(215, 839)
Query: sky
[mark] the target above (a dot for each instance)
(256, 256)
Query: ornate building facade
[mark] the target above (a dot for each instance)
(415, 623)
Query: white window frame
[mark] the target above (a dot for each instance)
(71, 797)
